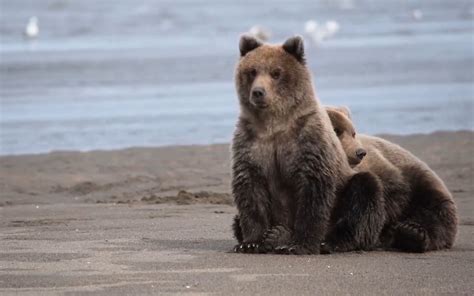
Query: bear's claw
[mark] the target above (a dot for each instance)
(325, 249)
(295, 249)
(411, 237)
(276, 236)
(249, 248)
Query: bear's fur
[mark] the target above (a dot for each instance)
(394, 202)
(287, 163)
(420, 213)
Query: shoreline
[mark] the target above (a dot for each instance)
(182, 174)
(382, 135)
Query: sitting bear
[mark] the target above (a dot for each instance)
(415, 213)
(420, 213)
(288, 165)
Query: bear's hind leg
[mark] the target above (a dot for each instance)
(359, 215)
(432, 221)
(427, 229)
(410, 236)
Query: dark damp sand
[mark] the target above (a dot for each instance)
(157, 220)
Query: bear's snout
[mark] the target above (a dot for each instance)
(361, 153)
(258, 97)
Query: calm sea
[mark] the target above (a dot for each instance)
(115, 74)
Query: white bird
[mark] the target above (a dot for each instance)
(332, 27)
(260, 32)
(32, 28)
(314, 32)
(417, 14)
(310, 26)
(319, 33)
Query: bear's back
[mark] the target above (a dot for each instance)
(402, 162)
(393, 153)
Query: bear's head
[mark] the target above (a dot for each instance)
(345, 131)
(272, 79)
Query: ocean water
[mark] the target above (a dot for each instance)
(116, 74)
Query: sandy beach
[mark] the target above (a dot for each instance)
(157, 220)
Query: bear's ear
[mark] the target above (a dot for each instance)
(295, 47)
(341, 109)
(345, 110)
(248, 43)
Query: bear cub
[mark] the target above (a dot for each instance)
(420, 213)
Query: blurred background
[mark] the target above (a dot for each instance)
(83, 75)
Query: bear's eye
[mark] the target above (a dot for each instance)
(353, 134)
(253, 72)
(338, 132)
(276, 73)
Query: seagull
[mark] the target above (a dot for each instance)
(417, 14)
(313, 30)
(260, 33)
(332, 27)
(32, 29)
(318, 33)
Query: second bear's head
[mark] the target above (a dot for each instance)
(272, 79)
(343, 127)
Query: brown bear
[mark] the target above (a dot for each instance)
(415, 213)
(288, 165)
(420, 213)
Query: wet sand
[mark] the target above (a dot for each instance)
(157, 220)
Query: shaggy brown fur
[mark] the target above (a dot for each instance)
(287, 164)
(420, 214)
(404, 204)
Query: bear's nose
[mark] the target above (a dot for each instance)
(258, 93)
(361, 153)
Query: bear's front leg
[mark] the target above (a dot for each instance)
(315, 195)
(249, 188)
(358, 216)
